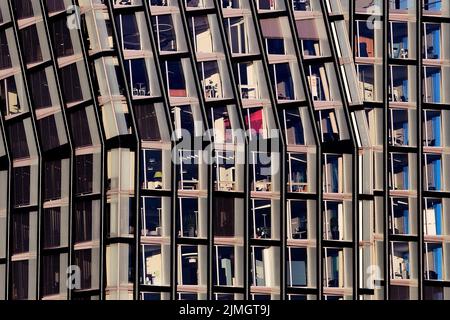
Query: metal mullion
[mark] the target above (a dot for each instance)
(355, 162)
(240, 110)
(420, 187)
(319, 173)
(8, 206)
(282, 147)
(118, 51)
(101, 133)
(386, 167)
(39, 152)
(67, 131)
(202, 105)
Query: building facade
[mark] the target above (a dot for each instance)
(224, 149)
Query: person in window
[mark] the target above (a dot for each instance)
(334, 227)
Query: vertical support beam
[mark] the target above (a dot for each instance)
(137, 148)
(386, 167)
(39, 151)
(420, 73)
(239, 109)
(319, 173)
(282, 151)
(174, 142)
(354, 145)
(68, 134)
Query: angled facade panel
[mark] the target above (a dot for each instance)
(223, 150)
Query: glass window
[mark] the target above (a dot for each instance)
(189, 272)
(137, 75)
(329, 129)
(70, 83)
(400, 218)
(431, 41)
(20, 278)
(399, 126)
(399, 84)
(283, 81)
(51, 274)
(151, 216)
(224, 266)
(61, 37)
(432, 128)
(129, 35)
(152, 175)
(433, 260)
(80, 128)
(433, 172)
(52, 180)
(399, 171)
(400, 260)
(365, 47)
(333, 220)
(256, 123)
(188, 220)
(52, 227)
(164, 28)
(21, 224)
(85, 260)
(83, 221)
(224, 217)
(333, 269)
(225, 175)
(261, 219)
(332, 172)
(293, 126)
(211, 79)
(175, 78)
(297, 267)
(153, 265)
(31, 40)
(12, 96)
(433, 217)
(399, 42)
(297, 219)
(432, 84)
(84, 173)
(273, 36)
(298, 172)
(22, 186)
(261, 172)
(40, 89)
(147, 122)
(189, 170)
(20, 146)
